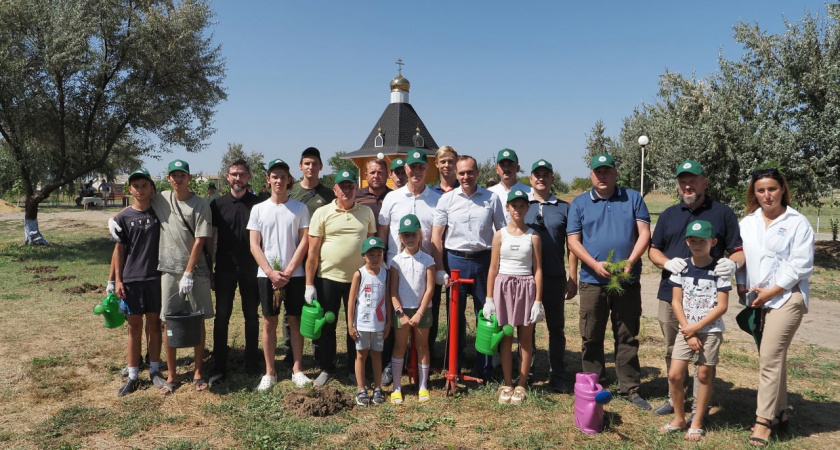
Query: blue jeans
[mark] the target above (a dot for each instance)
(476, 269)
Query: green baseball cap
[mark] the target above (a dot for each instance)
(278, 162)
(514, 194)
(601, 160)
(346, 175)
(397, 163)
(178, 164)
(416, 156)
(699, 228)
(542, 163)
(140, 173)
(372, 242)
(506, 154)
(409, 224)
(690, 166)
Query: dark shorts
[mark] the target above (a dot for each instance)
(141, 297)
(293, 297)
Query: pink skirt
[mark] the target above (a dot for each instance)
(514, 296)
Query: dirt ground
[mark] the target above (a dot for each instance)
(822, 315)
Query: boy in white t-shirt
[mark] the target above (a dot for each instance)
(699, 302)
(278, 229)
(369, 317)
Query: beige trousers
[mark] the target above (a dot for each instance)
(779, 327)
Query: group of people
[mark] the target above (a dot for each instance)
(385, 256)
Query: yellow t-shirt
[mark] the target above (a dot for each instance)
(341, 232)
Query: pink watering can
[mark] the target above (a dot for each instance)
(590, 399)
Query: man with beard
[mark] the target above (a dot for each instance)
(376, 174)
(235, 266)
(668, 249)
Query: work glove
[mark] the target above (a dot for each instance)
(309, 294)
(441, 278)
(676, 265)
(114, 229)
(186, 284)
(725, 267)
(489, 308)
(111, 288)
(537, 312)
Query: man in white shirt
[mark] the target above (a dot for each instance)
(507, 167)
(468, 215)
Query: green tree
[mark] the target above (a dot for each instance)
(337, 163)
(597, 141)
(88, 84)
(581, 184)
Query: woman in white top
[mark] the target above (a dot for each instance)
(779, 250)
(515, 282)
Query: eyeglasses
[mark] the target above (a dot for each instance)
(540, 221)
(761, 173)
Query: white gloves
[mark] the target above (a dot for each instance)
(725, 267)
(309, 294)
(676, 265)
(489, 308)
(441, 278)
(186, 284)
(113, 228)
(111, 288)
(537, 312)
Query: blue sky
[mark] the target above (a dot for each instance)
(533, 76)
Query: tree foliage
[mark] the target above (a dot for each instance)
(779, 102)
(93, 85)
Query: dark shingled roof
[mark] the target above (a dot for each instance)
(399, 122)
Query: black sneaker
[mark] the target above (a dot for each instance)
(665, 409)
(129, 387)
(560, 386)
(640, 402)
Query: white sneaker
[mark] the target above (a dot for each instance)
(267, 382)
(301, 379)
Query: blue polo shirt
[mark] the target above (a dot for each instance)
(553, 216)
(669, 234)
(607, 224)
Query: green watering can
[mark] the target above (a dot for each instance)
(312, 320)
(110, 311)
(488, 334)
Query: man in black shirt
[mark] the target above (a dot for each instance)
(235, 264)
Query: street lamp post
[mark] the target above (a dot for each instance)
(643, 141)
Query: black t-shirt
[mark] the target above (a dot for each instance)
(230, 217)
(141, 236)
(669, 234)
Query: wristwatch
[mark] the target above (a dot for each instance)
(399, 312)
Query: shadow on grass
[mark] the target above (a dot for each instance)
(72, 250)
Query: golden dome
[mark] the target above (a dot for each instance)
(400, 83)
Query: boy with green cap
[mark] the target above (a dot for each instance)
(700, 300)
(369, 317)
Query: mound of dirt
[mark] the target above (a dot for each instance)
(6, 207)
(86, 288)
(319, 402)
(40, 269)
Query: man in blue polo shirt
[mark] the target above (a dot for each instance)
(668, 249)
(610, 218)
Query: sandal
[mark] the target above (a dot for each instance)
(518, 396)
(505, 394)
(759, 442)
(396, 397)
(200, 384)
(362, 398)
(167, 389)
(695, 434)
(668, 428)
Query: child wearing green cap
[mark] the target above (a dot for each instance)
(412, 283)
(515, 282)
(369, 317)
(699, 302)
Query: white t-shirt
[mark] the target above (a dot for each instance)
(412, 272)
(401, 202)
(280, 227)
(502, 191)
(370, 301)
(516, 253)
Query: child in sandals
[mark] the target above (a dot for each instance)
(700, 300)
(515, 285)
(412, 284)
(368, 317)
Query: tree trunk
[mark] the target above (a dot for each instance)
(30, 223)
